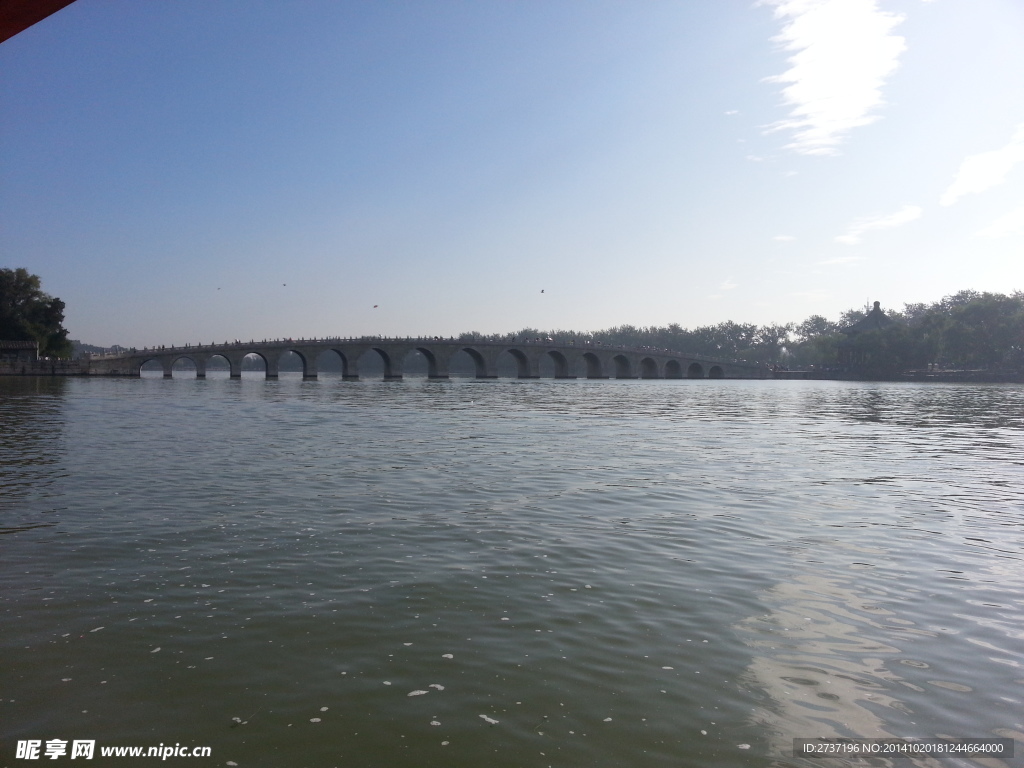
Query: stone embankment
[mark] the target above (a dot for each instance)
(43, 368)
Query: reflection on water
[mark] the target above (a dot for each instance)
(814, 657)
(823, 656)
(663, 573)
(31, 446)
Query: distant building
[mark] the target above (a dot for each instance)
(19, 351)
(851, 354)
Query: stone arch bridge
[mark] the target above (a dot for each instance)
(569, 360)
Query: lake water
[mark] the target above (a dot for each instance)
(537, 573)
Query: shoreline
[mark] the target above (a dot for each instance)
(936, 377)
(58, 368)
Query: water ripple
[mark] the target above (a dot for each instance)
(622, 573)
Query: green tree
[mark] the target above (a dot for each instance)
(28, 314)
(815, 326)
(770, 340)
(821, 351)
(966, 329)
(886, 352)
(985, 331)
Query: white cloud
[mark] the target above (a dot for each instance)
(783, 238)
(842, 260)
(983, 171)
(813, 295)
(853, 235)
(1005, 225)
(732, 112)
(842, 53)
(728, 285)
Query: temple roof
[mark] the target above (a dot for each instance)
(873, 321)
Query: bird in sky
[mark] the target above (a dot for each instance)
(542, 290)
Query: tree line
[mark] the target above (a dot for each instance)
(965, 330)
(968, 329)
(28, 314)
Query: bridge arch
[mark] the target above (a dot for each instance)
(673, 370)
(392, 365)
(319, 359)
(153, 363)
(420, 360)
(308, 358)
(649, 369)
(178, 363)
(479, 362)
(562, 370)
(216, 363)
(623, 370)
(521, 361)
(417, 361)
(251, 361)
(593, 364)
(716, 372)
(695, 371)
(434, 369)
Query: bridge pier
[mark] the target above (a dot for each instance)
(308, 355)
(234, 363)
(349, 363)
(527, 365)
(437, 364)
(393, 366)
(486, 362)
(273, 362)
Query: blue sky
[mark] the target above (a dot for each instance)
(198, 171)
